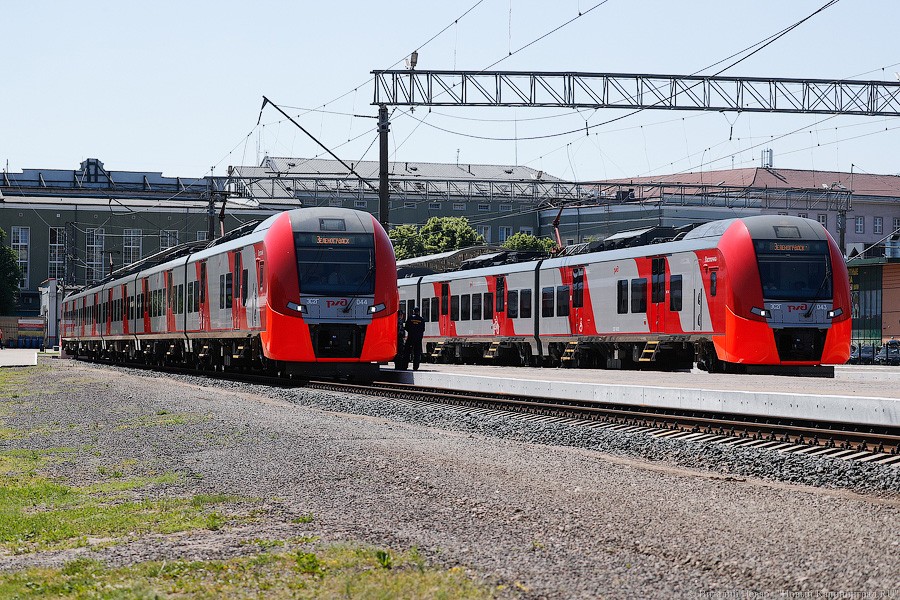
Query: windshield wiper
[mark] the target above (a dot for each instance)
(347, 308)
(815, 299)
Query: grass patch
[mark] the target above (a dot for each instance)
(329, 572)
(38, 513)
(157, 420)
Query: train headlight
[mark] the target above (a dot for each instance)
(762, 312)
(298, 307)
(835, 313)
(376, 308)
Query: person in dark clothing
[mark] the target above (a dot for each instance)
(401, 361)
(415, 329)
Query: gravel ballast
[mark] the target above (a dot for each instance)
(547, 510)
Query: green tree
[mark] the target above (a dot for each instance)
(9, 277)
(525, 242)
(441, 234)
(407, 241)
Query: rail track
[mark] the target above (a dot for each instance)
(877, 445)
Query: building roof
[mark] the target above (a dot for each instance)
(328, 168)
(860, 184)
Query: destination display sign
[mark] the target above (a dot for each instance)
(331, 239)
(790, 247)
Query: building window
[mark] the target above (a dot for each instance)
(434, 206)
(57, 259)
(459, 206)
(484, 208)
(131, 245)
(167, 238)
(896, 223)
(823, 219)
(505, 232)
(409, 205)
(93, 252)
(860, 224)
(337, 202)
(202, 236)
(19, 241)
(526, 230)
(803, 215)
(485, 232)
(506, 207)
(878, 226)
(363, 204)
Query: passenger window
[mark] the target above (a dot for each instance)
(562, 301)
(512, 302)
(434, 310)
(203, 282)
(454, 308)
(578, 287)
(525, 304)
(675, 293)
(476, 307)
(221, 291)
(639, 295)
(547, 302)
(622, 296)
(465, 307)
(445, 298)
(245, 284)
(488, 306)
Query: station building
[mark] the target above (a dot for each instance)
(73, 227)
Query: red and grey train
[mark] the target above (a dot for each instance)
(307, 290)
(761, 293)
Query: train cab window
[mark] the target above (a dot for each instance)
(713, 283)
(435, 312)
(675, 293)
(562, 301)
(525, 304)
(454, 308)
(245, 281)
(512, 302)
(658, 281)
(547, 302)
(622, 304)
(639, 295)
(501, 293)
(445, 298)
(578, 287)
(465, 304)
(488, 306)
(476, 307)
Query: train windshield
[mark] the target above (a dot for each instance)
(335, 264)
(794, 270)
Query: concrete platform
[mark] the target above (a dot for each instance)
(15, 357)
(864, 395)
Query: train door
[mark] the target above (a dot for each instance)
(657, 316)
(578, 313)
(236, 290)
(204, 307)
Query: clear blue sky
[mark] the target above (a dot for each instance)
(177, 86)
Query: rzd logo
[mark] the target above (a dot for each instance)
(332, 303)
(796, 307)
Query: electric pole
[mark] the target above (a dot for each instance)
(384, 194)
